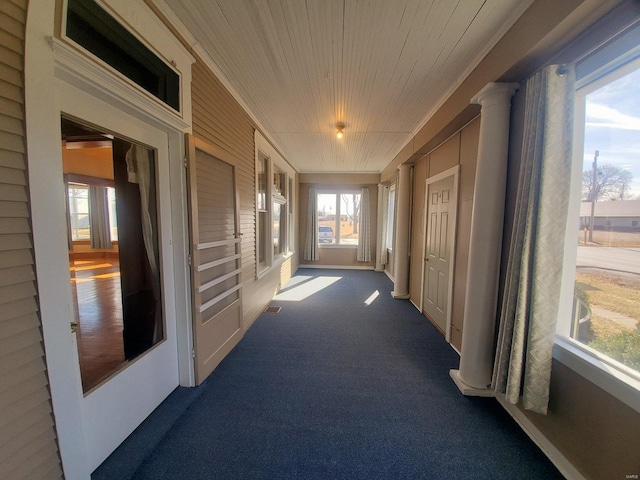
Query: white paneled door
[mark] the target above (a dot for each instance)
(439, 237)
(215, 255)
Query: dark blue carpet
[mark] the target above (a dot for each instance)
(333, 388)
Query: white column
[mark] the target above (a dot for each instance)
(401, 242)
(483, 269)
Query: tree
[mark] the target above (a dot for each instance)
(352, 203)
(611, 183)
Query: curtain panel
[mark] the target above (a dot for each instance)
(364, 227)
(100, 234)
(534, 270)
(139, 170)
(311, 239)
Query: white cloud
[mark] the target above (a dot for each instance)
(606, 117)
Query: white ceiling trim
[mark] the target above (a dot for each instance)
(213, 66)
(377, 66)
(472, 66)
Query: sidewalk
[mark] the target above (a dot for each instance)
(627, 322)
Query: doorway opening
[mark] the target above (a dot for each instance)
(112, 225)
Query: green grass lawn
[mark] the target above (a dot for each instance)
(618, 293)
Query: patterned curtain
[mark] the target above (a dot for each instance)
(99, 232)
(311, 240)
(364, 227)
(534, 270)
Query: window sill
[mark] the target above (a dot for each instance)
(579, 358)
(276, 263)
(329, 245)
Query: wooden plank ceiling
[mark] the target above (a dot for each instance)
(379, 66)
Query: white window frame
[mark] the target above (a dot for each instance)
(274, 163)
(391, 217)
(617, 379)
(336, 226)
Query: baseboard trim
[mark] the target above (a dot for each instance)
(338, 267)
(561, 462)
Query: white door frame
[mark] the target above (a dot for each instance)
(60, 80)
(455, 173)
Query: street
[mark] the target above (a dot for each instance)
(621, 259)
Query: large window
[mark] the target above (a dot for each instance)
(338, 217)
(274, 207)
(604, 245)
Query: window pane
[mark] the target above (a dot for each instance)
(113, 220)
(279, 184)
(262, 239)
(349, 218)
(261, 193)
(79, 211)
(607, 291)
(279, 226)
(391, 217)
(327, 218)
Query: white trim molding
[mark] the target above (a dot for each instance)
(561, 462)
(598, 369)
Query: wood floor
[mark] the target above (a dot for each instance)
(98, 303)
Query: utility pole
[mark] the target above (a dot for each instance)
(593, 194)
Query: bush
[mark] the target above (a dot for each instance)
(623, 347)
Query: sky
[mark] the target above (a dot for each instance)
(612, 126)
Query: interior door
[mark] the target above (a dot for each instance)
(215, 255)
(440, 221)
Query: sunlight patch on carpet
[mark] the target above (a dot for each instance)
(306, 289)
(371, 298)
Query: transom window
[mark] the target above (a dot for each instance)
(93, 28)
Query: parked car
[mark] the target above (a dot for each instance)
(325, 234)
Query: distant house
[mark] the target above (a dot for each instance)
(619, 216)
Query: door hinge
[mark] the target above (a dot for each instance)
(193, 353)
(185, 162)
(189, 260)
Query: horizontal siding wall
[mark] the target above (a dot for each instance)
(219, 120)
(28, 448)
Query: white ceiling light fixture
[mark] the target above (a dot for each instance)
(340, 130)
